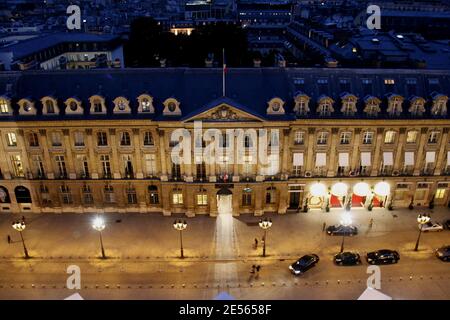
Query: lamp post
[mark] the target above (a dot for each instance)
(99, 225)
(20, 226)
(346, 221)
(421, 219)
(180, 225)
(265, 224)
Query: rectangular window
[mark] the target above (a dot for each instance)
(11, 139)
(79, 139)
(102, 139)
(299, 137)
(322, 138)
(106, 166)
(61, 166)
(17, 165)
(38, 166)
(345, 137)
(83, 166)
(125, 139)
(33, 140)
(150, 165)
(389, 137)
(368, 137)
(128, 166)
(131, 196)
(87, 195)
(148, 139)
(66, 196)
(177, 198)
(4, 109)
(202, 199)
(433, 137)
(411, 136)
(56, 139)
(440, 194)
(246, 199)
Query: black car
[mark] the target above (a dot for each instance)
(447, 224)
(304, 263)
(443, 253)
(384, 256)
(340, 230)
(347, 258)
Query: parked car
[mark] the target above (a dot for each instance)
(432, 226)
(443, 253)
(340, 230)
(447, 224)
(304, 263)
(347, 258)
(383, 256)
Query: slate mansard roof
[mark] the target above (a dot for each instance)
(248, 89)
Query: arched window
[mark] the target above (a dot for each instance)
(247, 197)
(417, 107)
(325, 107)
(153, 195)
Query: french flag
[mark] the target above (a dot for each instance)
(224, 61)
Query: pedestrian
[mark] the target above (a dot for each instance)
(23, 218)
(256, 243)
(253, 269)
(9, 239)
(371, 223)
(323, 226)
(258, 267)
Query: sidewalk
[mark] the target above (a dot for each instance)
(139, 236)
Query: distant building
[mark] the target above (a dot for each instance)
(61, 51)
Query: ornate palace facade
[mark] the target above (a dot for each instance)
(101, 140)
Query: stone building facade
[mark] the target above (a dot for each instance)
(101, 140)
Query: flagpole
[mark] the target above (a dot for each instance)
(223, 71)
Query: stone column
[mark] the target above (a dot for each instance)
(420, 152)
(212, 200)
(166, 192)
(189, 167)
(23, 153)
(162, 155)
(332, 154)
(258, 194)
(190, 193)
(286, 152)
(377, 156)
(69, 155)
(138, 153)
(115, 157)
(310, 153)
(400, 148)
(283, 198)
(355, 153)
(440, 165)
(93, 161)
(236, 201)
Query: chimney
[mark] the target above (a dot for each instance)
(208, 62)
(256, 62)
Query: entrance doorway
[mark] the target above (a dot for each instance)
(225, 201)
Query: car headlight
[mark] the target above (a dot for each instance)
(290, 268)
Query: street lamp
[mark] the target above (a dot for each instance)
(20, 226)
(421, 219)
(265, 225)
(346, 221)
(99, 225)
(180, 226)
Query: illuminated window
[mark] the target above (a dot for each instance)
(411, 136)
(389, 137)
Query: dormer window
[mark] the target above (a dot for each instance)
(325, 107)
(417, 107)
(275, 106)
(395, 105)
(49, 106)
(372, 107)
(171, 107)
(121, 105)
(348, 104)
(26, 107)
(301, 104)
(5, 108)
(439, 107)
(145, 104)
(97, 105)
(73, 106)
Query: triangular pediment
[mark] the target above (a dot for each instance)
(222, 110)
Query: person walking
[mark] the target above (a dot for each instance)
(258, 267)
(253, 269)
(256, 243)
(9, 239)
